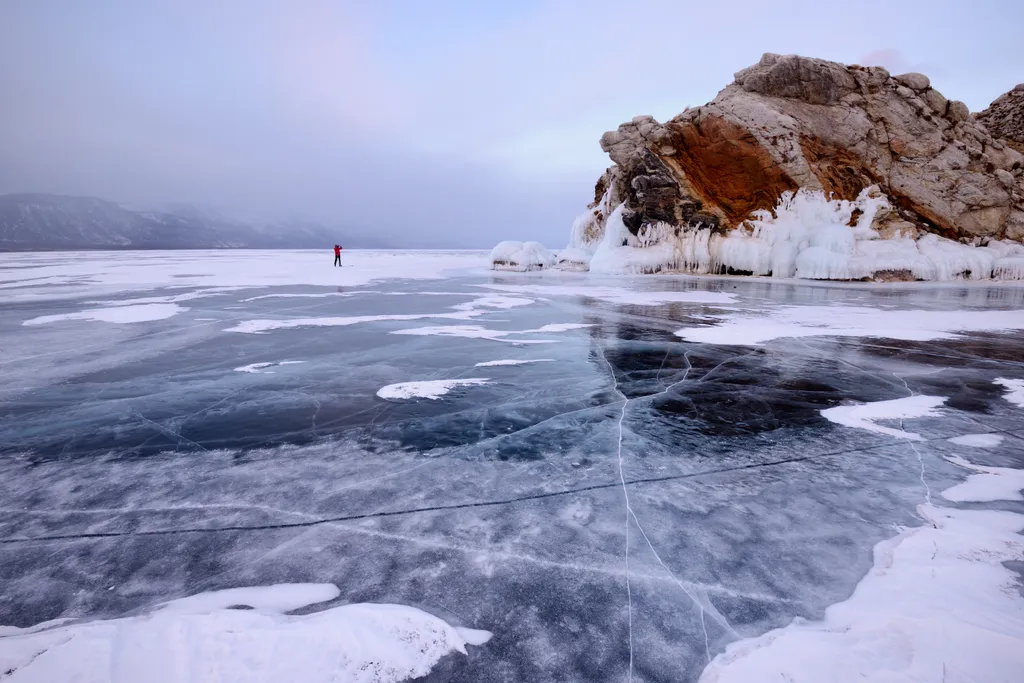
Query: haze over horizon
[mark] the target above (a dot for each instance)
(456, 124)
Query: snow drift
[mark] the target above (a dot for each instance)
(206, 637)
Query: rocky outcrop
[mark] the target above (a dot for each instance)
(790, 123)
(1004, 118)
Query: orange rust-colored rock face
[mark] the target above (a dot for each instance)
(840, 172)
(727, 168)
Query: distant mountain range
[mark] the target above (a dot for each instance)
(51, 222)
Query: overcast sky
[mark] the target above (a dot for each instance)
(440, 122)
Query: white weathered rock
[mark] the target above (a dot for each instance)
(914, 80)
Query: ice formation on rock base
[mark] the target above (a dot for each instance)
(809, 236)
(521, 256)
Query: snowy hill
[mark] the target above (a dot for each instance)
(45, 221)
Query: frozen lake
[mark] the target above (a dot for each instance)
(617, 478)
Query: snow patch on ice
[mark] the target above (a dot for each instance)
(481, 332)
(201, 638)
(464, 311)
(495, 363)
(851, 321)
(168, 299)
(316, 295)
(938, 605)
(521, 256)
(432, 389)
(139, 313)
(620, 295)
(978, 440)
(499, 302)
(257, 368)
(262, 326)
(866, 415)
(1015, 390)
(989, 484)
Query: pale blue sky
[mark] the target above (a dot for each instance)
(446, 122)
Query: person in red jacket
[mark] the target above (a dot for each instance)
(337, 254)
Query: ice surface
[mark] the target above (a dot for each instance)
(867, 415)
(978, 440)
(139, 313)
(432, 389)
(137, 466)
(1015, 390)
(208, 637)
(845, 321)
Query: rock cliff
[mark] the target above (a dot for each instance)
(1004, 118)
(861, 139)
(790, 122)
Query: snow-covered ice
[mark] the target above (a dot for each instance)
(620, 295)
(432, 389)
(258, 368)
(209, 637)
(1014, 390)
(850, 321)
(481, 332)
(158, 478)
(512, 361)
(263, 326)
(868, 415)
(137, 313)
(978, 440)
(989, 484)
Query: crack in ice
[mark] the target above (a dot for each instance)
(629, 510)
(920, 460)
(631, 514)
